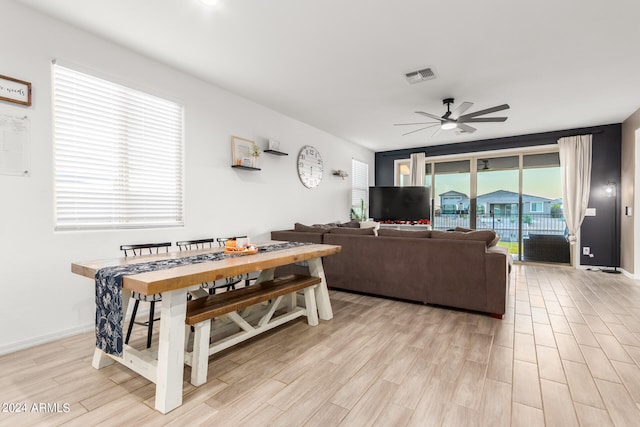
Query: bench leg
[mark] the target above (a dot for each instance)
(292, 301)
(200, 361)
(187, 335)
(310, 305)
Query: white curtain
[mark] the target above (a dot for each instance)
(575, 161)
(417, 167)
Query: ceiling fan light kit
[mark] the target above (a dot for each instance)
(456, 119)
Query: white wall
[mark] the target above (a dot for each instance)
(635, 274)
(40, 299)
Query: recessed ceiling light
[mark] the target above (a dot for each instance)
(209, 2)
(448, 126)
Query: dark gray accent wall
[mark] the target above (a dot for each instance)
(597, 232)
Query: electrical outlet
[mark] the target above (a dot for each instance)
(586, 250)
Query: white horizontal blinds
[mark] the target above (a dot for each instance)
(118, 155)
(359, 183)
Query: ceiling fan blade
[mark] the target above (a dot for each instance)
(410, 124)
(460, 110)
(485, 120)
(430, 115)
(487, 111)
(466, 128)
(418, 130)
(436, 132)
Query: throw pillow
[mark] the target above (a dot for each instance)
(371, 224)
(487, 236)
(467, 230)
(308, 229)
(389, 232)
(353, 231)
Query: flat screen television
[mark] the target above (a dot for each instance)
(399, 203)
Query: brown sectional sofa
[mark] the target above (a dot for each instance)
(455, 269)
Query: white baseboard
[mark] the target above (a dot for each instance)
(629, 275)
(43, 339)
(602, 267)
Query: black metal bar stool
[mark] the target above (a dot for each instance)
(137, 250)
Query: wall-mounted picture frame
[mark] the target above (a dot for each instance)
(241, 150)
(14, 90)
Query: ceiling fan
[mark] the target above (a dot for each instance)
(456, 119)
(485, 165)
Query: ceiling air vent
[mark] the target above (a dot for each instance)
(420, 75)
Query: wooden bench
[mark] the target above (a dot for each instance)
(225, 307)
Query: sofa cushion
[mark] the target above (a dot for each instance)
(390, 232)
(354, 231)
(297, 236)
(467, 230)
(504, 251)
(501, 250)
(326, 226)
(487, 236)
(308, 228)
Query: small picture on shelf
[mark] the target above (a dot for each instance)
(241, 151)
(274, 145)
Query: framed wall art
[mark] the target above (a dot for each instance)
(242, 151)
(14, 90)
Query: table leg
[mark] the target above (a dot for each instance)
(171, 350)
(322, 292)
(265, 275)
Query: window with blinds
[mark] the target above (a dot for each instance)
(359, 184)
(118, 155)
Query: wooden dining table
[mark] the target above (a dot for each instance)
(165, 368)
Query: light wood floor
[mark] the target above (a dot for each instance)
(567, 353)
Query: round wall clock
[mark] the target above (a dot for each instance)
(309, 166)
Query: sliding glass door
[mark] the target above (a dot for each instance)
(498, 199)
(544, 229)
(451, 200)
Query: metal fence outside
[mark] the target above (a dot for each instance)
(505, 225)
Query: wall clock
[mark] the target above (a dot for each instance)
(310, 166)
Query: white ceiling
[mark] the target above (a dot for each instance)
(339, 65)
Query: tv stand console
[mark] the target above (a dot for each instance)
(409, 227)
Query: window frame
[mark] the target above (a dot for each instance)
(361, 188)
(531, 204)
(118, 154)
